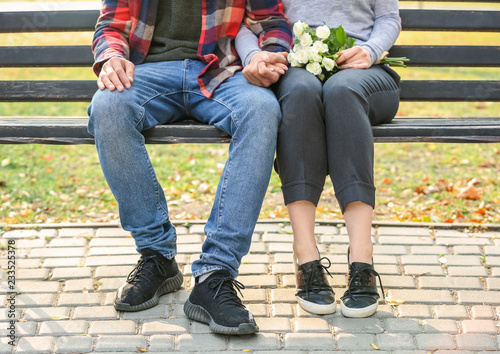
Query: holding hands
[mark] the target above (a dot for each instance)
(265, 68)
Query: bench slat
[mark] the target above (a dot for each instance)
(73, 130)
(85, 20)
(411, 90)
(420, 55)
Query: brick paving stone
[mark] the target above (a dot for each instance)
(159, 311)
(75, 299)
(356, 325)
(423, 270)
(479, 326)
(404, 325)
(259, 310)
(358, 341)
(403, 231)
(95, 313)
(112, 242)
(388, 250)
(419, 259)
(167, 326)
(493, 261)
(258, 247)
(190, 238)
(478, 297)
(406, 240)
(467, 271)
(450, 311)
(22, 263)
(258, 280)
(259, 341)
(451, 233)
(456, 260)
(431, 250)
(120, 343)
(68, 242)
(475, 342)
(283, 295)
(96, 261)
(396, 281)
(255, 258)
(310, 325)
(57, 252)
(282, 310)
(63, 262)
(79, 285)
(435, 341)
(41, 344)
(34, 300)
(274, 324)
(286, 268)
(200, 342)
(46, 313)
(423, 296)
(309, 342)
(197, 229)
(253, 295)
(18, 234)
(449, 283)
(395, 341)
(452, 241)
(32, 274)
(112, 251)
(71, 273)
(385, 269)
(74, 344)
(384, 259)
(328, 239)
(482, 312)
(76, 232)
(467, 250)
(113, 271)
(495, 271)
(385, 311)
(492, 250)
(178, 311)
(22, 329)
(161, 343)
(112, 327)
(280, 258)
(63, 328)
(29, 287)
(189, 248)
(414, 311)
(110, 284)
(276, 247)
(272, 237)
(440, 326)
(35, 243)
(251, 269)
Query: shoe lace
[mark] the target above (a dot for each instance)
(315, 278)
(361, 278)
(225, 289)
(142, 268)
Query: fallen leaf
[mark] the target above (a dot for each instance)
(142, 350)
(375, 347)
(469, 192)
(386, 180)
(391, 301)
(442, 260)
(57, 318)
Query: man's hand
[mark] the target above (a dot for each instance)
(354, 58)
(116, 73)
(265, 68)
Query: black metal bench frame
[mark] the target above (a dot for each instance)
(72, 130)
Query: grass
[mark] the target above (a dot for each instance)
(415, 182)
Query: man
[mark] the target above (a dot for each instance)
(158, 62)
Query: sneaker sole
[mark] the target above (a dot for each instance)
(198, 313)
(358, 313)
(169, 285)
(316, 308)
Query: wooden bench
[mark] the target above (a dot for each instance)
(72, 130)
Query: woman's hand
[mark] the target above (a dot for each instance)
(265, 68)
(354, 58)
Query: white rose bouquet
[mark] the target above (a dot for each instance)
(318, 49)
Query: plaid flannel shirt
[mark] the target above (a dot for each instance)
(125, 29)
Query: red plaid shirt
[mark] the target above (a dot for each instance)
(125, 29)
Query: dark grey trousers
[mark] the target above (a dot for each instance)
(326, 129)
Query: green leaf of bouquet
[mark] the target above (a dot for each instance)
(341, 36)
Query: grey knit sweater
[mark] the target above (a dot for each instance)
(375, 24)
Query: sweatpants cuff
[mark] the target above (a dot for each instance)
(356, 192)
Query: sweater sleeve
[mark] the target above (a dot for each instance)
(247, 44)
(111, 34)
(267, 20)
(385, 30)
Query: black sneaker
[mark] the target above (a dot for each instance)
(153, 276)
(361, 297)
(215, 302)
(314, 294)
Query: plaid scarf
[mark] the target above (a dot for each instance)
(125, 29)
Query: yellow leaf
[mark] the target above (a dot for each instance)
(57, 318)
(22, 320)
(394, 302)
(142, 350)
(85, 290)
(375, 347)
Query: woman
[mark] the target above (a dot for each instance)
(326, 129)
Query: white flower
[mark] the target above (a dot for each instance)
(299, 28)
(328, 63)
(323, 32)
(314, 68)
(305, 40)
(302, 56)
(320, 47)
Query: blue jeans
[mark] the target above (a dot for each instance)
(167, 92)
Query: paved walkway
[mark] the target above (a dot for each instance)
(444, 285)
